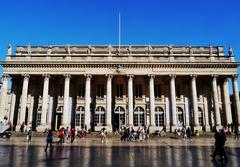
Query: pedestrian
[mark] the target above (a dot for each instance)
(189, 134)
(29, 135)
(49, 140)
(72, 135)
(220, 139)
(22, 127)
(66, 133)
(61, 135)
(103, 135)
(236, 133)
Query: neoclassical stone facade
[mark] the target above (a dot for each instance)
(111, 86)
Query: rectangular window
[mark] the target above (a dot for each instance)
(157, 90)
(100, 90)
(39, 115)
(61, 91)
(119, 90)
(178, 90)
(138, 90)
(77, 119)
(81, 90)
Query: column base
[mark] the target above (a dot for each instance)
(208, 128)
(109, 128)
(173, 128)
(198, 128)
(153, 128)
(42, 128)
(218, 127)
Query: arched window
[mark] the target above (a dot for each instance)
(121, 115)
(159, 116)
(99, 116)
(138, 116)
(79, 116)
(200, 116)
(180, 116)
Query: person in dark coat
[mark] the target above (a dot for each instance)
(220, 139)
(49, 140)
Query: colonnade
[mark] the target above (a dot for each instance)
(130, 104)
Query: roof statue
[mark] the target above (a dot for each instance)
(230, 51)
(29, 49)
(68, 50)
(49, 51)
(9, 49)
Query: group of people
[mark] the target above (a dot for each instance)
(129, 134)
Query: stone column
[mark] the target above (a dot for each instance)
(236, 100)
(130, 100)
(152, 103)
(194, 103)
(24, 98)
(12, 106)
(216, 102)
(66, 112)
(109, 103)
(173, 102)
(227, 104)
(3, 99)
(206, 116)
(43, 125)
(87, 114)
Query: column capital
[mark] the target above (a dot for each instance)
(5, 75)
(67, 75)
(193, 76)
(214, 75)
(172, 76)
(88, 75)
(46, 75)
(151, 76)
(235, 76)
(109, 76)
(26, 76)
(130, 76)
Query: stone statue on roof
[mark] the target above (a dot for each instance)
(9, 49)
(230, 51)
(68, 50)
(29, 49)
(49, 51)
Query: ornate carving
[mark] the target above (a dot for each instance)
(214, 75)
(67, 75)
(235, 76)
(194, 76)
(88, 75)
(5, 76)
(130, 76)
(109, 76)
(46, 75)
(172, 75)
(26, 76)
(151, 75)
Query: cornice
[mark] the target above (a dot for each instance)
(116, 65)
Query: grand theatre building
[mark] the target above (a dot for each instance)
(111, 86)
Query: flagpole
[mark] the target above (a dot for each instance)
(119, 31)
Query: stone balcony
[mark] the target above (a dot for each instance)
(121, 100)
(101, 100)
(140, 100)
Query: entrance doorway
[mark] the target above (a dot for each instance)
(119, 118)
(26, 116)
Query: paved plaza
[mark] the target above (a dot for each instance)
(113, 152)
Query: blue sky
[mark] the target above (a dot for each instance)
(177, 22)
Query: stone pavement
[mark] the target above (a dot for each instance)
(91, 152)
